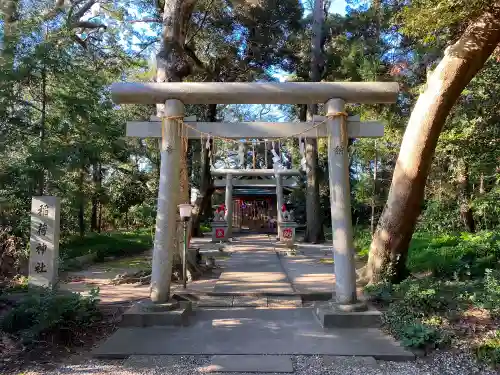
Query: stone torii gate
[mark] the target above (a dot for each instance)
(252, 130)
(333, 95)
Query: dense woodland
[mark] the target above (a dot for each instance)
(61, 134)
(435, 172)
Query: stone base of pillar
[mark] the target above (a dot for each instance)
(357, 315)
(148, 314)
(220, 231)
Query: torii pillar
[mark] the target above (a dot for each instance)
(229, 206)
(166, 214)
(340, 204)
(279, 202)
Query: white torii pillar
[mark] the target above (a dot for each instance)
(229, 205)
(166, 215)
(340, 205)
(279, 201)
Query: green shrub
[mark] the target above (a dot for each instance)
(488, 296)
(205, 228)
(416, 309)
(107, 244)
(362, 241)
(460, 257)
(489, 350)
(380, 292)
(43, 311)
(421, 336)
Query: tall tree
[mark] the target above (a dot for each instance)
(460, 63)
(314, 231)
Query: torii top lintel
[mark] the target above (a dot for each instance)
(254, 92)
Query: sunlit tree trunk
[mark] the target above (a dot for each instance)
(461, 62)
(374, 190)
(172, 66)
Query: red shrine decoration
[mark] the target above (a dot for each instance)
(287, 233)
(219, 233)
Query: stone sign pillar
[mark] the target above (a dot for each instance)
(340, 202)
(44, 241)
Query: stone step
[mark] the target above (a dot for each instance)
(206, 301)
(250, 364)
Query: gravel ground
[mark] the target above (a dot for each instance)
(441, 363)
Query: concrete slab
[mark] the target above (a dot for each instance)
(250, 331)
(330, 317)
(250, 364)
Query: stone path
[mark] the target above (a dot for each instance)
(254, 268)
(311, 270)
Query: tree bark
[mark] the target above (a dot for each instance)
(96, 180)
(374, 191)
(41, 172)
(314, 230)
(207, 183)
(99, 223)
(461, 62)
(81, 203)
(172, 65)
(466, 215)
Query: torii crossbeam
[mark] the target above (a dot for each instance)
(334, 95)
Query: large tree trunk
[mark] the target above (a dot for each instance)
(172, 66)
(41, 171)
(314, 229)
(466, 215)
(207, 183)
(374, 191)
(96, 180)
(81, 203)
(461, 62)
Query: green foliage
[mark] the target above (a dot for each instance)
(107, 244)
(489, 350)
(42, 312)
(418, 335)
(489, 297)
(205, 228)
(418, 310)
(362, 241)
(446, 15)
(459, 256)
